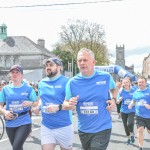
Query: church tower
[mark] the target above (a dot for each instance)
(120, 56)
(3, 31)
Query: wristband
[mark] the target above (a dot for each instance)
(60, 107)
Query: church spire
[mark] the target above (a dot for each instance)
(3, 31)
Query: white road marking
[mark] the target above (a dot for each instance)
(33, 118)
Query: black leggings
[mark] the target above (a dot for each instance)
(118, 107)
(128, 122)
(18, 135)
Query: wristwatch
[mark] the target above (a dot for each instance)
(60, 107)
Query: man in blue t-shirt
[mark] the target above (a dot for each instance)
(92, 88)
(141, 100)
(56, 128)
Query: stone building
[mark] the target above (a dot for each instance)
(120, 60)
(146, 67)
(23, 51)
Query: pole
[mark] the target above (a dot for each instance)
(72, 67)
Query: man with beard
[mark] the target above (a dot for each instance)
(56, 127)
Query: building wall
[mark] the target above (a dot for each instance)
(27, 62)
(146, 67)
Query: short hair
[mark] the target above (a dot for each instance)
(129, 78)
(143, 78)
(88, 51)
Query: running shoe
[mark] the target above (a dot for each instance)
(128, 141)
(132, 139)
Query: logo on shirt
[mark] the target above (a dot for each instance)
(101, 83)
(25, 94)
(58, 86)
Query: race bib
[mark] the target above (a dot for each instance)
(15, 106)
(127, 101)
(142, 102)
(89, 108)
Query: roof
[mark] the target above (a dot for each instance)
(21, 45)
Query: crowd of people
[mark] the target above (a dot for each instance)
(134, 108)
(94, 94)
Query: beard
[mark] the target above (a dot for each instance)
(51, 74)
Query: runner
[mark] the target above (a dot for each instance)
(19, 97)
(124, 97)
(94, 104)
(141, 100)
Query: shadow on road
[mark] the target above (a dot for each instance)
(34, 140)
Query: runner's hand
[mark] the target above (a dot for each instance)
(70, 105)
(53, 108)
(147, 106)
(36, 110)
(8, 115)
(111, 105)
(27, 104)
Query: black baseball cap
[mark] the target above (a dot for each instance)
(17, 67)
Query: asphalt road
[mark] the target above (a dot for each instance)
(117, 142)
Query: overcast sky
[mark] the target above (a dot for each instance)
(125, 22)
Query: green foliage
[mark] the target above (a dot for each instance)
(77, 34)
(65, 56)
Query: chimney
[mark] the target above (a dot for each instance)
(41, 42)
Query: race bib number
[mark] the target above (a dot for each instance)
(142, 102)
(15, 106)
(89, 108)
(127, 101)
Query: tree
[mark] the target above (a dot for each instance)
(78, 34)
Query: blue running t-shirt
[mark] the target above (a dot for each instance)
(126, 99)
(52, 91)
(14, 96)
(142, 97)
(91, 106)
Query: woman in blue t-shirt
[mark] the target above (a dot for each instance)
(125, 95)
(19, 97)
